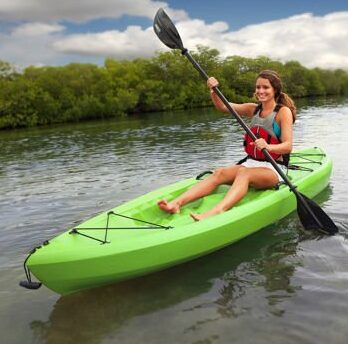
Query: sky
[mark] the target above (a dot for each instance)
(50, 32)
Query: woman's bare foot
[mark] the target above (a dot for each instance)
(171, 207)
(199, 217)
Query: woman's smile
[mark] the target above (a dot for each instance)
(264, 90)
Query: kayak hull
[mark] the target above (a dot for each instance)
(72, 261)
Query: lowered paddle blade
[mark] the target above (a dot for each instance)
(30, 285)
(313, 217)
(166, 30)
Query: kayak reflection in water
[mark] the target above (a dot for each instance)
(275, 114)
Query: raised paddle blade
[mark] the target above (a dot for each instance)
(314, 218)
(166, 30)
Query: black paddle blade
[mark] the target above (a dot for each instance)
(166, 30)
(313, 217)
(30, 285)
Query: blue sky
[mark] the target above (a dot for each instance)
(244, 12)
(49, 32)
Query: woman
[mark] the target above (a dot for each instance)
(276, 113)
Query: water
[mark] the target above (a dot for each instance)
(279, 285)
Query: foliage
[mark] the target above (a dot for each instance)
(75, 92)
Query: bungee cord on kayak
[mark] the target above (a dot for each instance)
(298, 165)
(29, 284)
(77, 230)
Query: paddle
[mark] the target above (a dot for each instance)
(310, 214)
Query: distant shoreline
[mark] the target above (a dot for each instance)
(41, 96)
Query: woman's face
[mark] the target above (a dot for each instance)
(264, 90)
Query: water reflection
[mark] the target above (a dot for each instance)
(261, 262)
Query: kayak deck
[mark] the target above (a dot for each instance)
(89, 255)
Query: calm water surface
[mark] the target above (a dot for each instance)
(280, 285)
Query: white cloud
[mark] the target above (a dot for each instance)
(36, 29)
(314, 41)
(30, 43)
(311, 40)
(48, 44)
(131, 43)
(80, 11)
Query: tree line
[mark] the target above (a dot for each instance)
(76, 92)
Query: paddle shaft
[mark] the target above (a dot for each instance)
(269, 158)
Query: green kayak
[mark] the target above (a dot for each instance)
(137, 238)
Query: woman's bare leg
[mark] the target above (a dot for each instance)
(224, 175)
(259, 177)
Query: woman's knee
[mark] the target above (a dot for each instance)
(218, 175)
(225, 174)
(258, 178)
(243, 172)
(218, 172)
